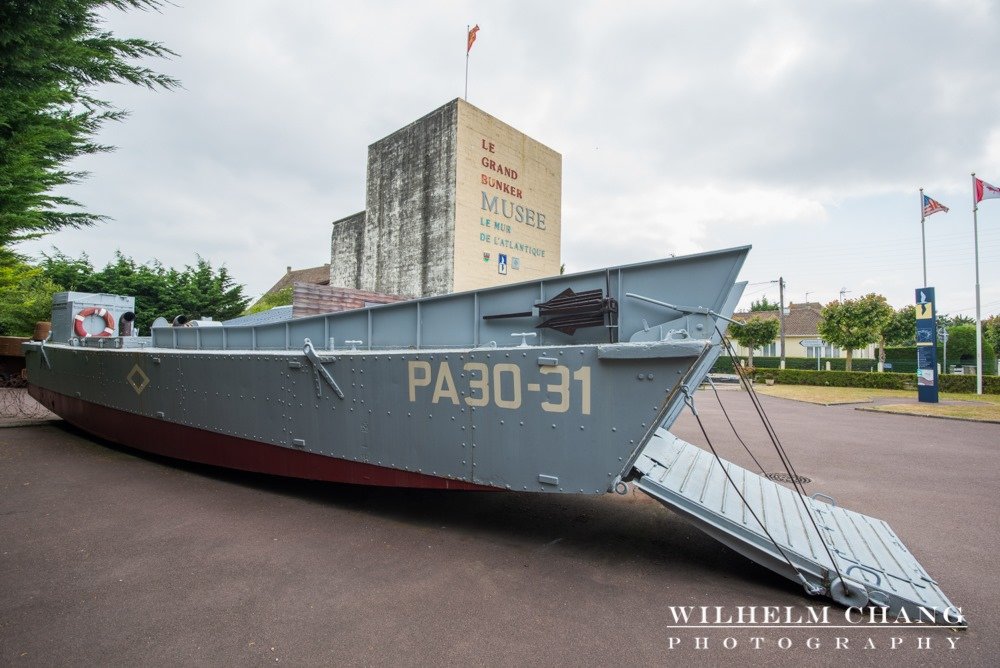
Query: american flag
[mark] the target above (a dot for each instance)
(932, 206)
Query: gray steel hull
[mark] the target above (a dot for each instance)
(551, 385)
(562, 419)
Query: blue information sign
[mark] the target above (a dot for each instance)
(927, 375)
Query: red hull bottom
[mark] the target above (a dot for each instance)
(205, 447)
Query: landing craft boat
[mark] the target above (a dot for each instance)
(563, 385)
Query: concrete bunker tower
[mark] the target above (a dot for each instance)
(456, 200)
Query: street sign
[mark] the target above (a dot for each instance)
(811, 343)
(927, 375)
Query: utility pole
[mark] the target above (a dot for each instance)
(781, 316)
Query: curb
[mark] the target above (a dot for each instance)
(936, 417)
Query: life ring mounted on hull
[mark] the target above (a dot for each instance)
(109, 321)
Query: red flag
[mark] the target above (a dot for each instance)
(985, 191)
(472, 38)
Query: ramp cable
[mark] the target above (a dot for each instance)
(782, 455)
(809, 587)
(711, 384)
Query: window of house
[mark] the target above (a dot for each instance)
(826, 350)
(770, 350)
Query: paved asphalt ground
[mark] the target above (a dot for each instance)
(111, 557)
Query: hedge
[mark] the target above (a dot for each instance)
(725, 365)
(956, 383)
(885, 381)
(903, 361)
(902, 355)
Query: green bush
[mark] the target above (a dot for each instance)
(902, 355)
(282, 297)
(725, 365)
(954, 383)
(903, 359)
(962, 348)
(883, 381)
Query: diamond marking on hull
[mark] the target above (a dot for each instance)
(137, 379)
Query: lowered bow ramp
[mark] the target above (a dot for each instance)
(877, 568)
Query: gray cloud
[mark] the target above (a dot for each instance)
(804, 128)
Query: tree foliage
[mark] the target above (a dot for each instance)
(854, 323)
(962, 348)
(946, 320)
(25, 295)
(991, 333)
(282, 297)
(197, 292)
(754, 333)
(901, 330)
(53, 54)
(763, 304)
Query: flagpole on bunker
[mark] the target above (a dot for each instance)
(979, 322)
(470, 37)
(923, 238)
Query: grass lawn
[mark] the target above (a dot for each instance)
(985, 407)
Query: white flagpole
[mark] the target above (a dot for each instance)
(979, 321)
(923, 238)
(466, 96)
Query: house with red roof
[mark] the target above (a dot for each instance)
(802, 337)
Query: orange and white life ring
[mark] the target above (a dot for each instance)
(109, 320)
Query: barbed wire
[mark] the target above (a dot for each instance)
(17, 404)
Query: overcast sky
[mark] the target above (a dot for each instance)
(802, 128)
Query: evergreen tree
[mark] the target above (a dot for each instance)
(53, 54)
(196, 292)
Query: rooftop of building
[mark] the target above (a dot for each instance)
(312, 275)
(800, 319)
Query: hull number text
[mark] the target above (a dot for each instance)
(560, 390)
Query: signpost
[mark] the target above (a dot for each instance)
(814, 343)
(943, 335)
(927, 375)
